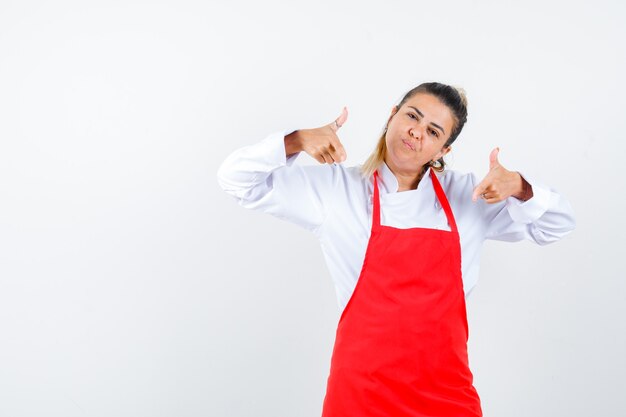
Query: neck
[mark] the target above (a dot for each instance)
(407, 180)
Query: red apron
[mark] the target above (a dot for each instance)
(401, 342)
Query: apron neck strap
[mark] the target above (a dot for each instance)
(443, 200)
(376, 212)
(438, 191)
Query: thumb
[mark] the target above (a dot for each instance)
(493, 158)
(339, 121)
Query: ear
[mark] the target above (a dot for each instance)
(444, 151)
(394, 110)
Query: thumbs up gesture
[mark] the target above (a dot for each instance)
(321, 143)
(500, 183)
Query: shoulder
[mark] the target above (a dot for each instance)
(456, 184)
(338, 178)
(451, 179)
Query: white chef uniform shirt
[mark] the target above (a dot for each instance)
(334, 202)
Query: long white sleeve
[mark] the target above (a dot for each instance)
(543, 219)
(261, 177)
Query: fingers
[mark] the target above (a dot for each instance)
(326, 152)
(322, 158)
(337, 151)
(327, 157)
(479, 190)
(487, 196)
(488, 193)
(335, 155)
(492, 200)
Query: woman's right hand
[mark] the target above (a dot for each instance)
(321, 143)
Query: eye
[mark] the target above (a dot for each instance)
(432, 131)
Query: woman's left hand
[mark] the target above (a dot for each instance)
(500, 183)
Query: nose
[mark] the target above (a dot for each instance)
(415, 133)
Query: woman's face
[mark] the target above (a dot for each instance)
(417, 133)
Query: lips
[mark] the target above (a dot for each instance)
(408, 144)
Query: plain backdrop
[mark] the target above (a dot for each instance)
(132, 285)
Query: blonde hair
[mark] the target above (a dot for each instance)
(452, 96)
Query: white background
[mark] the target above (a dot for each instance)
(132, 285)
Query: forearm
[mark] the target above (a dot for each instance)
(293, 143)
(248, 167)
(262, 177)
(525, 190)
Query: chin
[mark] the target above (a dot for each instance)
(404, 163)
(405, 157)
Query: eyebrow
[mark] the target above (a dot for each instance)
(422, 114)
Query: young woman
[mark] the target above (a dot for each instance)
(402, 239)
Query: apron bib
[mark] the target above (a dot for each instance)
(401, 342)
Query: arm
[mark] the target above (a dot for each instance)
(263, 177)
(545, 217)
(514, 208)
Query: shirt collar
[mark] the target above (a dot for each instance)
(389, 180)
